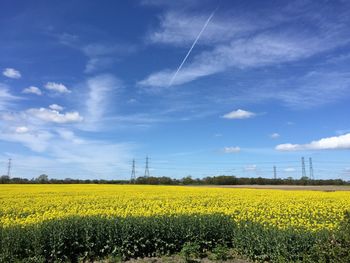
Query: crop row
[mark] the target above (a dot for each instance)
(86, 239)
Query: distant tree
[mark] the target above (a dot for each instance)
(4, 179)
(43, 178)
(304, 180)
(187, 180)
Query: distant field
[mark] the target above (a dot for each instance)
(290, 187)
(31, 204)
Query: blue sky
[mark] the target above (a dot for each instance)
(201, 87)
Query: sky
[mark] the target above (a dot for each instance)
(202, 87)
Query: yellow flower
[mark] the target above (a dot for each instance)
(32, 204)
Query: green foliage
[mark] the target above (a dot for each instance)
(220, 252)
(333, 248)
(271, 244)
(190, 251)
(89, 239)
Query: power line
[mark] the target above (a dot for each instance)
(311, 169)
(146, 168)
(9, 167)
(303, 167)
(133, 172)
(160, 162)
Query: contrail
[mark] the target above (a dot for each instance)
(189, 51)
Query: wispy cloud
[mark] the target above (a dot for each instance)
(235, 42)
(88, 159)
(100, 91)
(36, 140)
(190, 50)
(101, 55)
(302, 91)
(6, 98)
(231, 149)
(67, 39)
(178, 28)
(329, 143)
(315, 88)
(265, 49)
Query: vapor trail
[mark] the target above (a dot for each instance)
(194, 43)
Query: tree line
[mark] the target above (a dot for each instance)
(188, 180)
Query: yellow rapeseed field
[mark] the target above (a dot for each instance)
(31, 204)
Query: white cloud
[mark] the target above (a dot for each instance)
(57, 87)
(22, 129)
(49, 115)
(32, 90)
(289, 169)
(329, 143)
(56, 107)
(11, 73)
(232, 149)
(239, 114)
(275, 135)
(288, 147)
(41, 131)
